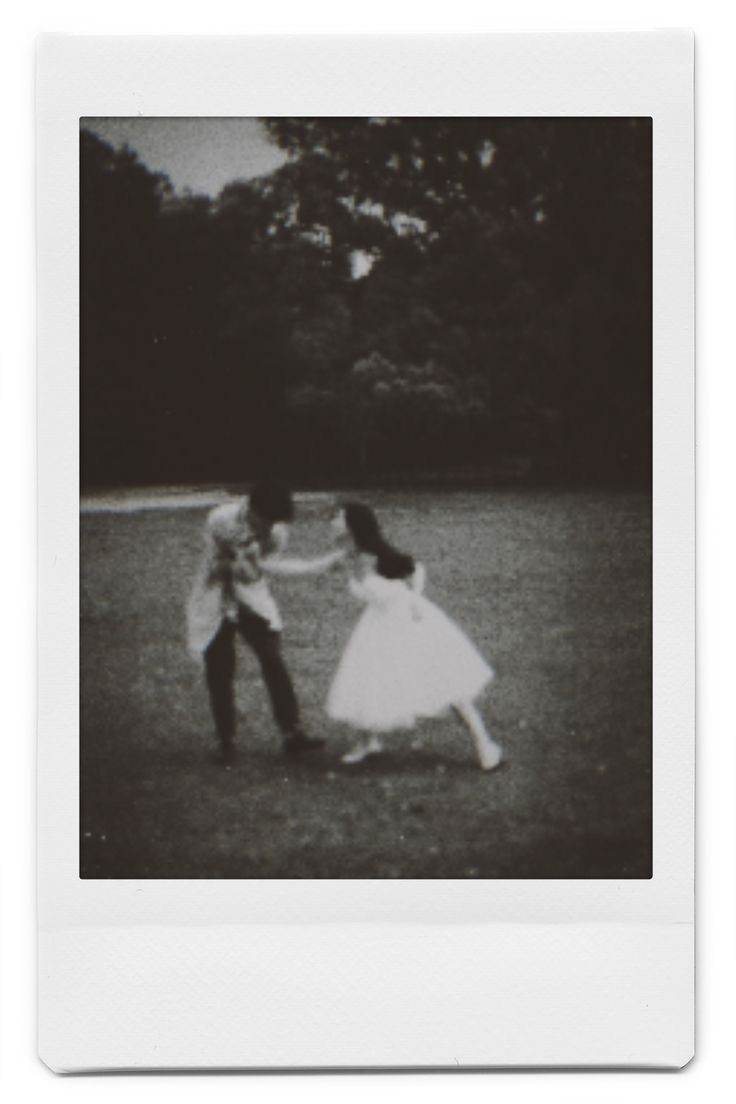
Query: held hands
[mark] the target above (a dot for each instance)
(338, 559)
(324, 564)
(331, 561)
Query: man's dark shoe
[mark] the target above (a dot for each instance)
(226, 756)
(298, 742)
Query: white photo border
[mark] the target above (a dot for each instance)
(452, 954)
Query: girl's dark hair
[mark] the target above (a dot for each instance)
(366, 532)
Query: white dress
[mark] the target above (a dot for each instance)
(405, 660)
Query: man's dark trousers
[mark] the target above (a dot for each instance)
(219, 661)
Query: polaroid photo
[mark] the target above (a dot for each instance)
(366, 485)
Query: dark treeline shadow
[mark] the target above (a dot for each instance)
(403, 298)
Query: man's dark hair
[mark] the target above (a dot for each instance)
(272, 502)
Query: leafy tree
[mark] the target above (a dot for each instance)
(402, 294)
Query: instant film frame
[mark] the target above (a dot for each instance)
(365, 974)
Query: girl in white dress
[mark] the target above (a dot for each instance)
(405, 659)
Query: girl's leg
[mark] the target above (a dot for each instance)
(489, 752)
(368, 744)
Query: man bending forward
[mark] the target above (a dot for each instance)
(243, 545)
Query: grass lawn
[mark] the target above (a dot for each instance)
(554, 588)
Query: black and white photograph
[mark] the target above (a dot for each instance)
(366, 552)
(365, 497)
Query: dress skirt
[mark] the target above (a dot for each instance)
(402, 663)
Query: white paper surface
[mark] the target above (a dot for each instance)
(195, 974)
(367, 995)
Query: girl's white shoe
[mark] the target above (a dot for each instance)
(370, 745)
(490, 756)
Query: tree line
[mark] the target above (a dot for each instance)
(403, 298)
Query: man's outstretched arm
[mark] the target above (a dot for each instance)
(291, 567)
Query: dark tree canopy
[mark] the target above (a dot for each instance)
(402, 297)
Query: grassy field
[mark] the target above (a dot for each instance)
(555, 590)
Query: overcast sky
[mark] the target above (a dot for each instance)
(201, 154)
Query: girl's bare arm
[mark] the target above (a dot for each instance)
(284, 567)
